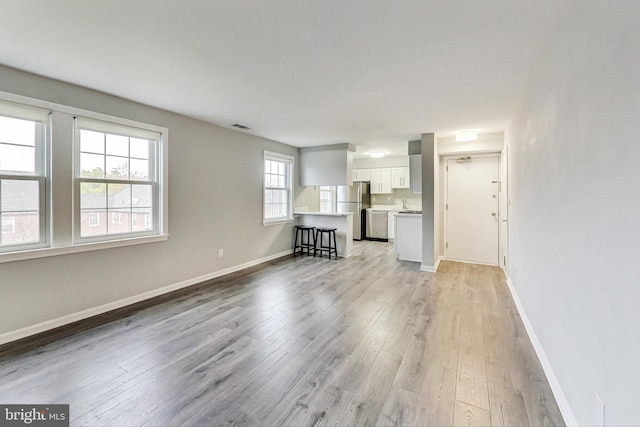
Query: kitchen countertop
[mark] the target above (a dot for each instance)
(324, 213)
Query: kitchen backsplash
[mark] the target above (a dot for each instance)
(414, 201)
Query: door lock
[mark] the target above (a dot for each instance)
(493, 214)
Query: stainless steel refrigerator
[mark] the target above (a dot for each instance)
(356, 199)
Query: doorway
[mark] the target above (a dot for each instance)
(472, 185)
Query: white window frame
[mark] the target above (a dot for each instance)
(58, 196)
(114, 127)
(289, 164)
(331, 190)
(9, 108)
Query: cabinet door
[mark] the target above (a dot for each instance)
(400, 177)
(380, 181)
(385, 181)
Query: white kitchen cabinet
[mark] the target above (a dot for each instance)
(408, 237)
(380, 181)
(400, 177)
(361, 175)
(391, 224)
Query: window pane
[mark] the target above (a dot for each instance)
(17, 159)
(19, 196)
(139, 148)
(142, 196)
(139, 169)
(118, 145)
(119, 195)
(91, 142)
(117, 167)
(16, 131)
(121, 222)
(91, 166)
(93, 196)
(20, 227)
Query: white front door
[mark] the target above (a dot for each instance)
(471, 210)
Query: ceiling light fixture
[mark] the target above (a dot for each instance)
(466, 135)
(376, 154)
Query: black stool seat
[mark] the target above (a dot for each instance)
(330, 247)
(305, 240)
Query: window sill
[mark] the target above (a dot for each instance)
(277, 222)
(85, 247)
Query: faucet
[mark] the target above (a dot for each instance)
(404, 203)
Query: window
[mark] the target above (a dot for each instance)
(94, 220)
(327, 199)
(278, 184)
(8, 225)
(115, 176)
(118, 167)
(22, 176)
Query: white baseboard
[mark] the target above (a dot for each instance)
(430, 268)
(85, 314)
(563, 404)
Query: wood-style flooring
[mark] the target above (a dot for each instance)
(302, 341)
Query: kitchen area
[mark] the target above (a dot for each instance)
(384, 201)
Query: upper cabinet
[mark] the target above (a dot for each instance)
(400, 177)
(360, 175)
(380, 181)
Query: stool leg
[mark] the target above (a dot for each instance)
(295, 242)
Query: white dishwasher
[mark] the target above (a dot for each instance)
(377, 225)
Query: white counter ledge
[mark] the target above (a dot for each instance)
(342, 222)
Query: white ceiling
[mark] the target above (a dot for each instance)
(303, 72)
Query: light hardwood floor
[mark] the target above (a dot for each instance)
(367, 340)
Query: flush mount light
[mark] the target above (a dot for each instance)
(376, 154)
(467, 135)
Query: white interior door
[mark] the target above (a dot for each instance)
(471, 211)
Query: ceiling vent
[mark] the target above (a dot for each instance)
(239, 126)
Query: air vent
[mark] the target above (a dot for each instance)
(239, 126)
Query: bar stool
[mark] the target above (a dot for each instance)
(303, 244)
(320, 246)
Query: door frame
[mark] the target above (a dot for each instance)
(446, 158)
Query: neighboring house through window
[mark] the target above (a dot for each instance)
(278, 188)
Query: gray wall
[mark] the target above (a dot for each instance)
(428, 201)
(575, 209)
(215, 201)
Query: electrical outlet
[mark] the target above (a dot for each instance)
(220, 253)
(599, 411)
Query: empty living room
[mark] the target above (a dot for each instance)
(159, 158)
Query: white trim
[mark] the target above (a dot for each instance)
(471, 262)
(429, 268)
(440, 258)
(85, 314)
(556, 388)
(72, 249)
